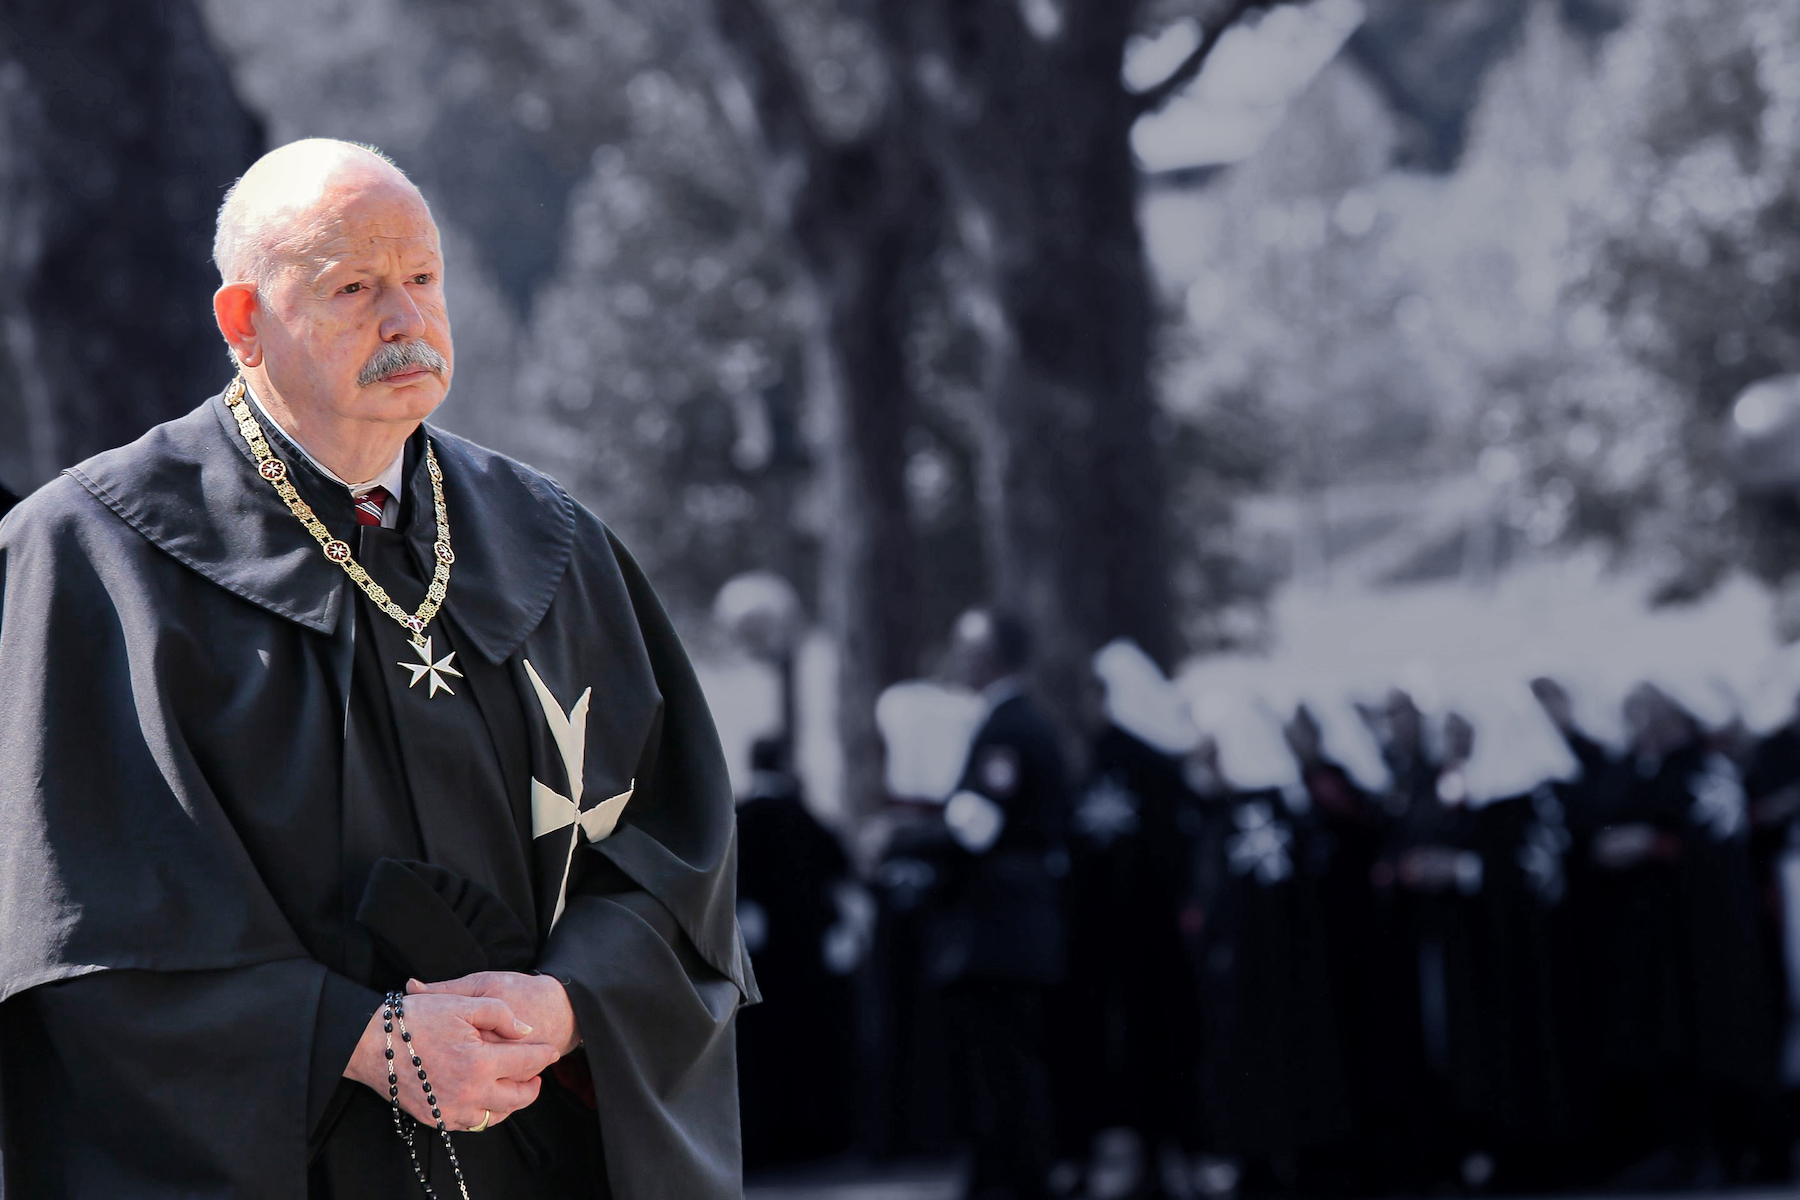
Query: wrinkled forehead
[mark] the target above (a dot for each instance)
(360, 215)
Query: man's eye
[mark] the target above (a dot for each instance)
(350, 289)
(422, 277)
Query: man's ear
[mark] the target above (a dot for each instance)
(236, 307)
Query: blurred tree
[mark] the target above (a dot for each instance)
(1692, 224)
(855, 196)
(995, 138)
(1028, 124)
(119, 131)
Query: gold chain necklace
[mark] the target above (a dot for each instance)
(275, 472)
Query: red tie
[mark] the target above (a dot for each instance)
(369, 506)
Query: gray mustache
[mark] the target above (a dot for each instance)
(395, 357)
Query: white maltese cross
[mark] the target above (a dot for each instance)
(435, 671)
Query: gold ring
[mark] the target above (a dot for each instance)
(487, 1114)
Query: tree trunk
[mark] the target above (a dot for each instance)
(119, 132)
(1032, 135)
(862, 219)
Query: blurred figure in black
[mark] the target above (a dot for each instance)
(797, 907)
(1772, 787)
(1348, 826)
(1425, 878)
(1579, 974)
(910, 1080)
(1125, 1028)
(1513, 1085)
(1683, 1006)
(998, 939)
(1273, 1097)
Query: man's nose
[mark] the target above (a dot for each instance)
(400, 317)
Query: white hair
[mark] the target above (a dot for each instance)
(264, 212)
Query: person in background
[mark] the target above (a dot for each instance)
(997, 950)
(805, 922)
(1348, 824)
(1683, 1006)
(1126, 1048)
(1272, 1098)
(1772, 788)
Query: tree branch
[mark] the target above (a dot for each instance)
(1153, 98)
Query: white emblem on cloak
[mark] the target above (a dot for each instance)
(1260, 846)
(551, 810)
(1718, 798)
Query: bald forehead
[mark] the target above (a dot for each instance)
(299, 196)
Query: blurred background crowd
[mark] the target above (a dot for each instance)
(1300, 380)
(1308, 944)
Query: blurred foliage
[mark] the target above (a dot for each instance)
(1600, 255)
(1697, 253)
(1566, 315)
(118, 133)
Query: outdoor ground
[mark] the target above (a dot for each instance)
(938, 1182)
(926, 1181)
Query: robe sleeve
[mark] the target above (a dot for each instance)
(163, 1084)
(161, 1023)
(345, 1007)
(649, 950)
(658, 1035)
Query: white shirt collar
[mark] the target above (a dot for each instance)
(389, 479)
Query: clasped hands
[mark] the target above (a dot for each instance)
(484, 1038)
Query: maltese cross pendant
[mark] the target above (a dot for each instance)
(434, 671)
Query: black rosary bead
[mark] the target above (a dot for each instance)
(401, 1126)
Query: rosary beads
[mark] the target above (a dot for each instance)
(393, 1012)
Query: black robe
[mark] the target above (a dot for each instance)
(909, 1083)
(1124, 1014)
(226, 823)
(1344, 830)
(1000, 915)
(1772, 774)
(1272, 1088)
(1681, 1000)
(796, 1053)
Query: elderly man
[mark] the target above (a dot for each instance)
(364, 830)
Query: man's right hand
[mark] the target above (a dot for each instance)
(472, 1049)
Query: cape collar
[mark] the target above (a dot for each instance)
(190, 487)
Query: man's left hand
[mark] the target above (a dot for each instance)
(538, 1000)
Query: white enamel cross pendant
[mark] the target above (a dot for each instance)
(434, 671)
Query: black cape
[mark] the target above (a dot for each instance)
(796, 1054)
(1000, 915)
(182, 778)
(1124, 1013)
(1271, 1081)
